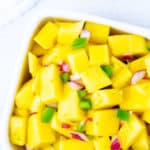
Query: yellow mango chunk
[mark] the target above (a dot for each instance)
(94, 78)
(122, 78)
(78, 60)
(130, 131)
(47, 36)
(18, 128)
(102, 143)
(146, 116)
(141, 63)
(99, 54)
(21, 112)
(99, 32)
(48, 148)
(68, 32)
(127, 44)
(56, 125)
(117, 65)
(106, 98)
(24, 97)
(34, 64)
(51, 86)
(73, 144)
(38, 50)
(36, 83)
(136, 97)
(36, 105)
(68, 107)
(105, 123)
(142, 142)
(57, 54)
(39, 134)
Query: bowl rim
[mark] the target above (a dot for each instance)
(35, 19)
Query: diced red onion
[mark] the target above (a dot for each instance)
(75, 77)
(33, 113)
(115, 145)
(138, 76)
(26, 147)
(64, 67)
(65, 125)
(76, 85)
(79, 136)
(127, 57)
(85, 34)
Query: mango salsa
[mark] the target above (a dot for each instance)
(86, 86)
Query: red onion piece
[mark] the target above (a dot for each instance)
(65, 125)
(64, 67)
(115, 145)
(75, 77)
(138, 76)
(76, 85)
(33, 113)
(85, 34)
(127, 57)
(79, 136)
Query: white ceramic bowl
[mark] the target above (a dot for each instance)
(18, 74)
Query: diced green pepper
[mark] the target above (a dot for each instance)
(80, 127)
(47, 114)
(65, 76)
(85, 104)
(107, 69)
(79, 43)
(123, 115)
(148, 47)
(82, 93)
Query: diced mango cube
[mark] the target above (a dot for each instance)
(94, 78)
(136, 97)
(78, 60)
(146, 116)
(104, 123)
(38, 50)
(117, 65)
(127, 44)
(36, 83)
(68, 32)
(99, 54)
(106, 98)
(24, 97)
(36, 105)
(130, 131)
(73, 144)
(57, 54)
(47, 36)
(122, 78)
(142, 142)
(18, 127)
(21, 112)
(51, 87)
(99, 32)
(56, 125)
(39, 134)
(68, 107)
(34, 64)
(48, 148)
(102, 143)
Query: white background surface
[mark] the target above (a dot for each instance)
(131, 11)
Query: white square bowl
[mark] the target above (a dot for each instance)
(34, 21)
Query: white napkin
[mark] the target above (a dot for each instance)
(11, 9)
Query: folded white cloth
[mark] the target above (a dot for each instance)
(11, 9)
